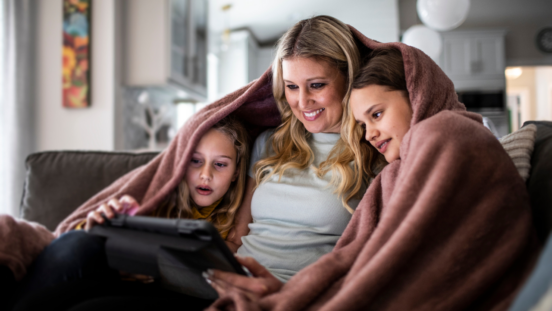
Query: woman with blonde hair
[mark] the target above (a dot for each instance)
(305, 180)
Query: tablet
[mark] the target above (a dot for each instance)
(175, 250)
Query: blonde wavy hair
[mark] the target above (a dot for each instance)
(179, 204)
(328, 40)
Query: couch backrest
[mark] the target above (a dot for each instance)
(57, 182)
(539, 184)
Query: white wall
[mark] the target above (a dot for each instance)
(269, 20)
(378, 20)
(234, 63)
(252, 55)
(543, 88)
(265, 56)
(63, 128)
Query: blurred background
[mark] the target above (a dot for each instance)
(154, 63)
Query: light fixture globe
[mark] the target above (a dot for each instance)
(425, 39)
(443, 15)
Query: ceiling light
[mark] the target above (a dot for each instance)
(513, 73)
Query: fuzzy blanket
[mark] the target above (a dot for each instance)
(447, 227)
(20, 243)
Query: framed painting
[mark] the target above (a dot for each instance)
(76, 53)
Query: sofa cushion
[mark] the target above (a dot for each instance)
(539, 184)
(57, 182)
(519, 146)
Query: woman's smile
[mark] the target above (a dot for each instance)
(382, 145)
(312, 114)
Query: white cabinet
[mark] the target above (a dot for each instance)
(237, 62)
(241, 61)
(166, 45)
(474, 60)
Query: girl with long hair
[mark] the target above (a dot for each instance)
(213, 186)
(212, 189)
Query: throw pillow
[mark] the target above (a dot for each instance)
(519, 146)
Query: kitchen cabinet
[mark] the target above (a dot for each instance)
(165, 45)
(238, 60)
(241, 61)
(474, 60)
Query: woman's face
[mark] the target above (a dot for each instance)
(212, 168)
(385, 115)
(314, 90)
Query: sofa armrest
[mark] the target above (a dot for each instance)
(57, 182)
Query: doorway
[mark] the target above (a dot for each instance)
(529, 94)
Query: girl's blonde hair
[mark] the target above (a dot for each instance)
(328, 40)
(179, 204)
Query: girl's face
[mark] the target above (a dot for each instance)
(314, 90)
(212, 168)
(385, 115)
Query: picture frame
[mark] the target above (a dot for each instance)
(76, 53)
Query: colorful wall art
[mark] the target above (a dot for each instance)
(76, 53)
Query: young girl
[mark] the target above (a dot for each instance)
(380, 105)
(213, 186)
(212, 189)
(452, 208)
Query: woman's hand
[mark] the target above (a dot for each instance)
(261, 284)
(126, 204)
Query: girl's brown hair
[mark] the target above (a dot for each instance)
(383, 67)
(328, 40)
(179, 204)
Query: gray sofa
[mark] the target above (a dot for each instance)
(57, 182)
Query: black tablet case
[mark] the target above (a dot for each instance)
(175, 250)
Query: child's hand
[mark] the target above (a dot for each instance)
(125, 205)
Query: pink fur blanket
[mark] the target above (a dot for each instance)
(446, 227)
(20, 243)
